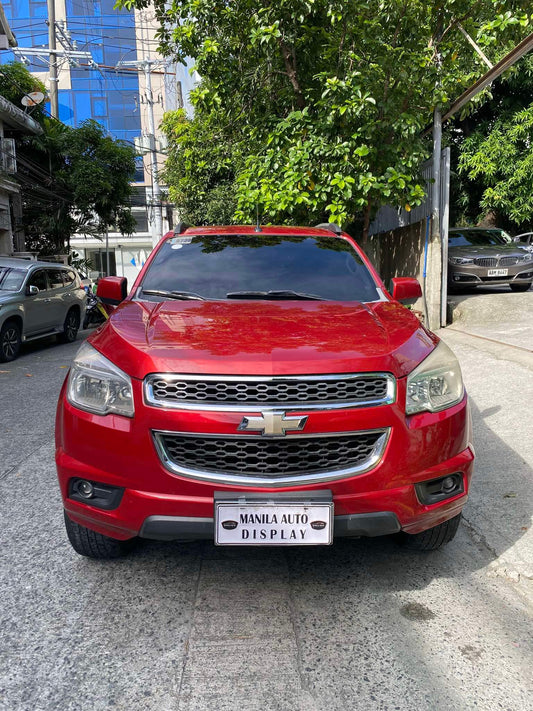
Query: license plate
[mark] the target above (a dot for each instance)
(273, 524)
(498, 272)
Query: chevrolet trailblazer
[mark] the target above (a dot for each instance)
(261, 387)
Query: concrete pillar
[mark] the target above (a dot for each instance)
(19, 238)
(433, 287)
(434, 278)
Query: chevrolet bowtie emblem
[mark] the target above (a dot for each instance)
(272, 424)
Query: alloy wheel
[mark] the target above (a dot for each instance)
(10, 342)
(71, 327)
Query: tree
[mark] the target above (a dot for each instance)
(200, 169)
(16, 82)
(494, 156)
(327, 99)
(85, 184)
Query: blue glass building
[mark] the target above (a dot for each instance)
(105, 95)
(108, 95)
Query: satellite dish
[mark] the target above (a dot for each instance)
(32, 99)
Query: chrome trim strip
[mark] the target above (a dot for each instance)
(244, 407)
(262, 438)
(267, 482)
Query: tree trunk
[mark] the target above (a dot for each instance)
(289, 60)
(366, 222)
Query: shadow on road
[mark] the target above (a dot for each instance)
(362, 624)
(42, 345)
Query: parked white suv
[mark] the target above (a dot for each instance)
(37, 299)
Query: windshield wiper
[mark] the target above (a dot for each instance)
(184, 295)
(281, 294)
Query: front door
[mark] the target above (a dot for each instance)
(38, 311)
(59, 300)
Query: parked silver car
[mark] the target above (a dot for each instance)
(37, 299)
(479, 256)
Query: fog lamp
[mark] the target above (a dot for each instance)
(448, 484)
(85, 489)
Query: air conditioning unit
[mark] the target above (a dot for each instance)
(144, 144)
(8, 156)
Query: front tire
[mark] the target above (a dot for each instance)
(520, 287)
(10, 340)
(95, 545)
(433, 538)
(70, 327)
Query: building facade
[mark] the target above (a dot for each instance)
(13, 122)
(108, 84)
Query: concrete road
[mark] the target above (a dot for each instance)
(362, 625)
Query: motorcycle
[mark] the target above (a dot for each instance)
(95, 313)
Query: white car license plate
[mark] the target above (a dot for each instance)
(498, 272)
(273, 524)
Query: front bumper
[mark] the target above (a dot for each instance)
(465, 274)
(158, 504)
(182, 528)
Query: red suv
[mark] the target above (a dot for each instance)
(261, 386)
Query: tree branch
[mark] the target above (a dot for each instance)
(289, 59)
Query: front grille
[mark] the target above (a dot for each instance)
(219, 392)
(260, 460)
(508, 261)
(486, 261)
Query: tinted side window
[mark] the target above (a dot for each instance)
(38, 279)
(69, 277)
(55, 278)
(11, 279)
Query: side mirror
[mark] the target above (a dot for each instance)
(32, 290)
(406, 290)
(112, 290)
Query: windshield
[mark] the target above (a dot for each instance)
(221, 266)
(11, 279)
(478, 238)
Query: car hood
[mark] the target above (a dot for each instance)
(508, 250)
(263, 338)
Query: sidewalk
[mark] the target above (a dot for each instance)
(498, 378)
(496, 314)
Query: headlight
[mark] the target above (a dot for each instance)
(461, 260)
(436, 383)
(97, 385)
(525, 259)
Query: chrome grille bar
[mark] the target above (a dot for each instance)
(251, 393)
(249, 460)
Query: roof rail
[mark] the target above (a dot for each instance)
(181, 227)
(331, 226)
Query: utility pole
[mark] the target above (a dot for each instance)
(54, 101)
(156, 191)
(146, 66)
(434, 256)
